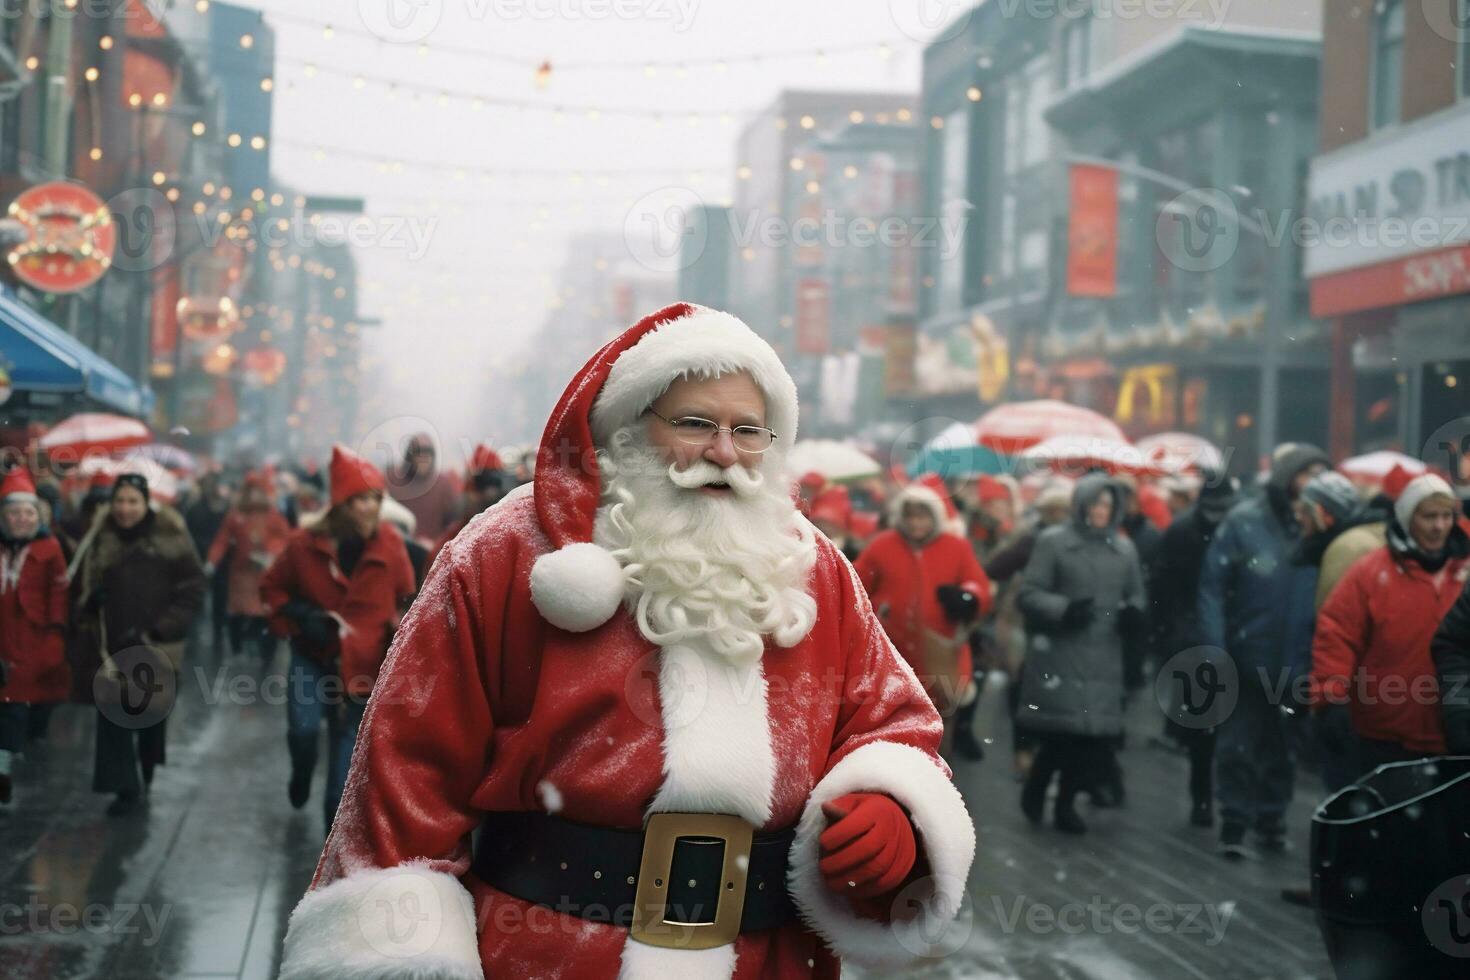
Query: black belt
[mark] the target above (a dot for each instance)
(679, 875)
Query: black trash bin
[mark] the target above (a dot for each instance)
(1391, 872)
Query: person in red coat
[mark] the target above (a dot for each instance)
(335, 591)
(646, 647)
(253, 534)
(485, 484)
(1375, 691)
(33, 669)
(429, 493)
(928, 589)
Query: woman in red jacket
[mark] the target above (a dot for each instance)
(33, 666)
(336, 591)
(253, 533)
(927, 589)
(1374, 687)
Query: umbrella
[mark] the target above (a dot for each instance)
(1074, 455)
(837, 461)
(1010, 428)
(1371, 468)
(169, 457)
(1181, 452)
(954, 453)
(94, 432)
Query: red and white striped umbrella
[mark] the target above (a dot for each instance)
(1181, 452)
(1074, 455)
(1008, 429)
(1371, 468)
(95, 432)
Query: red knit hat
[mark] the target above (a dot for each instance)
(578, 586)
(351, 475)
(18, 487)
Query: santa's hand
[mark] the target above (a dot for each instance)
(868, 848)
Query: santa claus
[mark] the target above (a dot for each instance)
(642, 721)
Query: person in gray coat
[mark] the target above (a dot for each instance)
(1082, 596)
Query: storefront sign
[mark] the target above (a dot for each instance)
(71, 237)
(1092, 236)
(1403, 194)
(1409, 280)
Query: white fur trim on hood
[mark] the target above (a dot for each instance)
(1420, 489)
(405, 923)
(917, 493)
(706, 343)
(944, 830)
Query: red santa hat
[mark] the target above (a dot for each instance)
(833, 505)
(485, 459)
(578, 586)
(988, 488)
(17, 487)
(1395, 481)
(351, 475)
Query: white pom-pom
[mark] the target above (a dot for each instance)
(577, 588)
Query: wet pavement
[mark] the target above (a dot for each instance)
(202, 882)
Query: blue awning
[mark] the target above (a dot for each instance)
(42, 357)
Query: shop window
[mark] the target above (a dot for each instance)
(1388, 62)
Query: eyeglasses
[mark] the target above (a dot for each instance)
(695, 431)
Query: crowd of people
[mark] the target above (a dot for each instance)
(1334, 611)
(103, 584)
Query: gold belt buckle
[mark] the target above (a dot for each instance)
(650, 902)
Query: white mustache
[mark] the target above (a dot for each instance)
(702, 473)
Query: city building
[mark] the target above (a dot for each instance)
(1388, 261)
(1094, 153)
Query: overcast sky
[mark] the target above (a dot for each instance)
(491, 251)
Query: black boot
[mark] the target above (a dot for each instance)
(968, 746)
(1067, 820)
(124, 804)
(303, 765)
(1033, 795)
(1232, 841)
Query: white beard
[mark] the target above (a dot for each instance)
(729, 569)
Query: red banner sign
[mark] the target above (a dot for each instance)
(1409, 280)
(1092, 237)
(72, 237)
(813, 316)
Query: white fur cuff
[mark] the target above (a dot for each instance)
(945, 832)
(403, 923)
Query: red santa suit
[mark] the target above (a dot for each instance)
(903, 581)
(539, 692)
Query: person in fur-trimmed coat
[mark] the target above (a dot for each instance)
(649, 629)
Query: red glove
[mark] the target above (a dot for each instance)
(868, 849)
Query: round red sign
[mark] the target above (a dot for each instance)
(71, 237)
